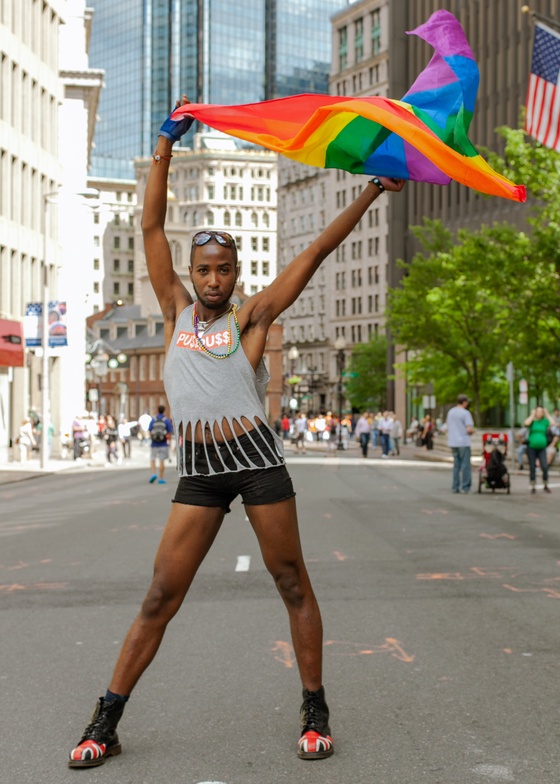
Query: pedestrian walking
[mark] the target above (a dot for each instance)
(79, 435)
(538, 424)
(26, 440)
(385, 427)
(460, 427)
(397, 434)
(428, 432)
(160, 430)
(111, 435)
(362, 432)
(286, 425)
(301, 428)
(215, 380)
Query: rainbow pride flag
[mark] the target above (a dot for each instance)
(423, 137)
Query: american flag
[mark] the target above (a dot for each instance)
(543, 95)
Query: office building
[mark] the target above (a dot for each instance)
(48, 103)
(152, 51)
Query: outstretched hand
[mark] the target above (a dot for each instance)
(174, 129)
(392, 184)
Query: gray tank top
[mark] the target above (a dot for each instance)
(206, 391)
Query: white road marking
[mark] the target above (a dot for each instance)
(243, 564)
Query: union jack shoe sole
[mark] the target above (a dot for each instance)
(313, 745)
(90, 754)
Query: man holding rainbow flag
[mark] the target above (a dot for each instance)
(214, 374)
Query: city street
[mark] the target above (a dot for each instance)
(441, 633)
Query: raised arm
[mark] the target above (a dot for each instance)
(172, 296)
(286, 288)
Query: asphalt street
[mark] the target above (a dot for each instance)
(441, 632)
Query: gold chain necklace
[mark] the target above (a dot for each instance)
(230, 350)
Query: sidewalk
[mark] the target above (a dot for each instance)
(16, 472)
(441, 453)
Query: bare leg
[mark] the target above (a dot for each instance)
(189, 534)
(276, 528)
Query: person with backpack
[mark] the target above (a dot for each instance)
(160, 429)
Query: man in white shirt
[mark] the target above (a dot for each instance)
(385, 427)
(460, 426)
(300, 426)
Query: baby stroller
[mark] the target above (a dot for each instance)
(493, 473)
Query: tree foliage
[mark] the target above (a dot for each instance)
(367, 390)
(472, 302)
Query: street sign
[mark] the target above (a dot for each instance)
(428, 401)
(349, 374)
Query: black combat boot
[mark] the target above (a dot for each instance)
(100, 739)
(316, 741)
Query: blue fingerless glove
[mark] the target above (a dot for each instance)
(174, 129)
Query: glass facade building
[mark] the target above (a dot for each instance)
(216, 51)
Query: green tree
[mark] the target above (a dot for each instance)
(366, 390)
(536, 319)
(453, 312)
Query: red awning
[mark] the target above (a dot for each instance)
(11, 343)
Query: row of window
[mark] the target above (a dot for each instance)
(373, 248)
(372, 277)
(193, 173)
(21, 281)
(195, 217)
(26, 106)
(359, 82)
(355, 304)
(117, 266)
(359, 40)
(358, 332)
(302, 196)
(230, 192)
(21, 193)
(36, 27)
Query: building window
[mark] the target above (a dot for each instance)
(227, 218)
(359, 40)
(131, 265)
(116, 265)
(239, 242)
(254, 219)
(342, 48)
(116, 287)
(116, 242)
(131, 289)
(96, 287)
(266, 268)
(254, 243)
(238, 219)
(210, 191)
(131, 243)
(254, 268)
(376, 31)
(265, 244)
(96, 264)
(209, 218)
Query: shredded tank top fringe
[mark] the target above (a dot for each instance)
(217, 406)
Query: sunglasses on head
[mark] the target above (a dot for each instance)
(222, 237)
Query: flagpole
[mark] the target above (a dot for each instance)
(540, 17)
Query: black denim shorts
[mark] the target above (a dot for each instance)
(256, 486)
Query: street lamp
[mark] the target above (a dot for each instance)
(293, 356)
(340, 345)
(48, 198)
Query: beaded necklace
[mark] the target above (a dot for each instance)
(230, 350)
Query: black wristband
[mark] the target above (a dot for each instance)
(376, 181)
